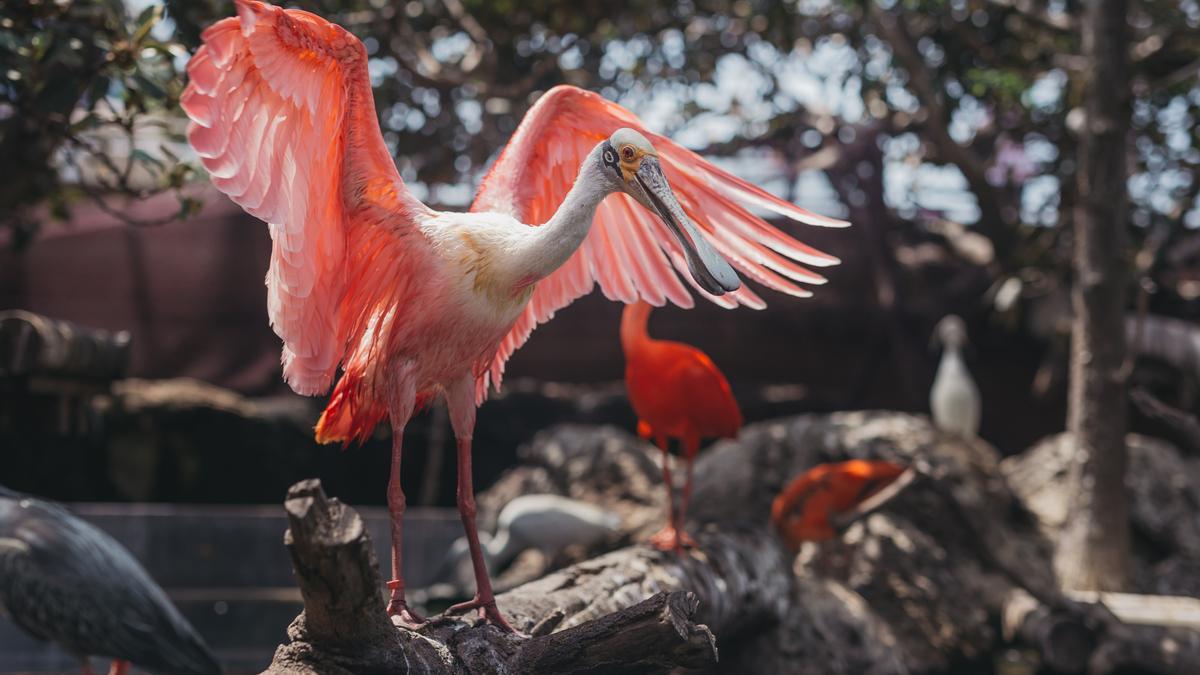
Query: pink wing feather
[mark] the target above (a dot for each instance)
(282, 116)
(629, 251)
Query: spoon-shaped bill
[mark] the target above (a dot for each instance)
(708, 268)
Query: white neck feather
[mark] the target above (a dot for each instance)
(554, 241)
(952, 361)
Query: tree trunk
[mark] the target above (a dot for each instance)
(1094, 553)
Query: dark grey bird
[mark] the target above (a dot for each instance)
(64, 580)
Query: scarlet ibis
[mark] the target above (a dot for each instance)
(64, 580)
(413, 303)
(954, 398)
(677, 393)
(546, 522)
(802, 511)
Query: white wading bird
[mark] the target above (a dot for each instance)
(954, 398)
(413, 303)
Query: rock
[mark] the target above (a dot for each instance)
(834, 631)
(887, 597)
(1164, 489)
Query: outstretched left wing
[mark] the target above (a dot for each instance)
(283, 118)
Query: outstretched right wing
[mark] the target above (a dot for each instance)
(283, 118)
(628, 251)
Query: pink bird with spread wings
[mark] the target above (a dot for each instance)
(413, 303)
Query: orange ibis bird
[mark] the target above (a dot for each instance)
(954, 397)
(677, 393)
(413, 303)
(63, 580)
(803, 510)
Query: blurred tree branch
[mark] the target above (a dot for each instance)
(75, 75)
(998, 221)
(1035, 12)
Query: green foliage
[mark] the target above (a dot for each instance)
(74, 76)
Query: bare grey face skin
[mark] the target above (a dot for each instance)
(635, 161)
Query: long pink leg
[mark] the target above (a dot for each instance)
(401, 408)
(119, 668)
(460, 400)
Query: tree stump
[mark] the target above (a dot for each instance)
(623, 612)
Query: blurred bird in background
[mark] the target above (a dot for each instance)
(548, 523)
(954, 397)
(65, 581)
(677, 393)
(804, 510)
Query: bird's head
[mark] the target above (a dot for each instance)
(631, 165)
(951, 331)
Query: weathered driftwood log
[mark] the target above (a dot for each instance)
(1171, 423)
(1164, 487)
(1063, 641)
(917, 584)
(36, 345)
(627, 611)
(887, 597)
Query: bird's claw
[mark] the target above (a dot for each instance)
(398, 608)
(488, 612)
(672, 539)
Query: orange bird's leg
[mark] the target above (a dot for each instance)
(665, 444)
(460, 400)
(667, 539)
(400, 409)
(691, 447)
(119, 667)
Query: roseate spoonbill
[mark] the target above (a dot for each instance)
(954, 398)
(677, 392)
(414, 303)
(803, 510)
(63, 580)
(546, 522)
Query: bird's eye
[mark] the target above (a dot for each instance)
(608, 157)
(627, 153)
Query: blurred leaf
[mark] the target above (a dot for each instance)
(189, 206)
(99, 88)
(146, 158)
(85, 123)
(58, 96)
(145, 23)
(9, 42)
(148, 86)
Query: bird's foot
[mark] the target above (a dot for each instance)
(119, 667)
(488, 612)
(672, 539)
(398, 607)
